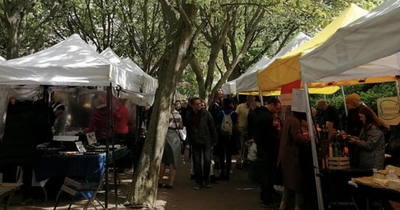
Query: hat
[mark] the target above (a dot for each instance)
(353, 99)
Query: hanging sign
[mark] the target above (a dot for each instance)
(388, 110)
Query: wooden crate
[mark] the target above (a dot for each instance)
(338, 163)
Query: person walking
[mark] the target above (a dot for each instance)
(227, 134)
(172, 149)
(202, 135)
(242, 111)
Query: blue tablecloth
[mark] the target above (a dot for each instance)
(87, 167)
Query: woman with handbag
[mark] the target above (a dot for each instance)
(172, 149)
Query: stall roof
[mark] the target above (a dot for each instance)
(147, 87)
(286, 69)
(150, 83)
(71, 62)
(318, 90)
(365, 51)
(248, 81)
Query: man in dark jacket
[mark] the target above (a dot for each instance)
(329, 113)
(266, 136)
(352, 123)
(202, 135)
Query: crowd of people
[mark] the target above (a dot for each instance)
(216, 135)
(283, 145)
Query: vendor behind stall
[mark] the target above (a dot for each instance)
(98, 121)
(46, 117)
(371, 142)
(121, 118)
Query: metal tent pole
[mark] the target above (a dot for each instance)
(314, 150)
(260, 93)
(398, 90)
(344, 101)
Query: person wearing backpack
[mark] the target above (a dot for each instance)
(227, 133)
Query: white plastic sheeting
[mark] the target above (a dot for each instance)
(71, 62)
(150, 84)
(248, 81)
(368, 47)
(147, 85)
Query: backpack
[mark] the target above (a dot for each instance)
(227, 124)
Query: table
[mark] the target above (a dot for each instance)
(375, 192)
(88, 167)
(335, 188)
(8, 189)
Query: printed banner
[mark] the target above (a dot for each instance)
(388, 110)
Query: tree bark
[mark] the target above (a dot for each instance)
(143, 191)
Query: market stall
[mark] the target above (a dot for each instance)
(72, 64)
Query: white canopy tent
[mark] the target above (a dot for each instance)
(248, 82)
(150, 83)
(147, 85)
(366, 50)
(71, 62)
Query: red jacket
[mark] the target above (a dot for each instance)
(121, 118)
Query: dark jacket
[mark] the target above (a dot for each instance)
(289, 154)
(250, 124)
(214, 108)
(206, 133)
(19, 141)
(352, 123)
(265, 134)
(330, 114)
(372, 148)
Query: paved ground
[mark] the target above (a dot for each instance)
(236, 194)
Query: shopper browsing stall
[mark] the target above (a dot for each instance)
(371, 142)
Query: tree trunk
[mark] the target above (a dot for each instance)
(143, 191)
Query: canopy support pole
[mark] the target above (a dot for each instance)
(398, 90)
(344, 100)
(260, 94)
(313, 150)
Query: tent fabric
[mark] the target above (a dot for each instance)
(286, 69)
(246, 81)
(147, 85)
(71, 62)
(322, 90)
(150, 84)
(365, 51)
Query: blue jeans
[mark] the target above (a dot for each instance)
(201, 172)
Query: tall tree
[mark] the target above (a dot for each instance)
(27, 24)
(96, 21)
(179, 18)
